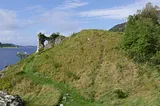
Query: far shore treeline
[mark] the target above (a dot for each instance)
(5, 45)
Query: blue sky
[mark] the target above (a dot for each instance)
(22, 20)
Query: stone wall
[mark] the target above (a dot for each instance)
(51, 41)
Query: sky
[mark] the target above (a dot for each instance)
(22, 20)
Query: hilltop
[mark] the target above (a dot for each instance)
(86, 69)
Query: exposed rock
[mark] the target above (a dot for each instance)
(61, 105)
(10, 100)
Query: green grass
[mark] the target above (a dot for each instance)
(90, 67)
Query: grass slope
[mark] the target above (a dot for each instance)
(86, 69)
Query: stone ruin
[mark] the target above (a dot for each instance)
(53, 40)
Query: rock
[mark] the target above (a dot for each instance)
(61, 105)
(10, 100)
(64, 98)
(67, 94)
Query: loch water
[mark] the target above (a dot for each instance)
(8, 56)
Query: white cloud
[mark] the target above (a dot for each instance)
(7, 25)
(35, 9)
(10, 26)
(17, 38)
(120, 12)
(62, 18)
(61, 21)
(7, 20)
(6, 35)
(70, 4)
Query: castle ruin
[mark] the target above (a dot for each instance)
(53, 40)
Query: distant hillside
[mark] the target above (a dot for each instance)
(118, 28)
(7, 45)
(121, 27)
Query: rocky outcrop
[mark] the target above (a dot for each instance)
(9, 100)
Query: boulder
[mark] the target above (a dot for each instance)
(10, 100)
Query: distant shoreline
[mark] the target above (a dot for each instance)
(9, 47)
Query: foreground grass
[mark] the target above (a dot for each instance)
(87, 69)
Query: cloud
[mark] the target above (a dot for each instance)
(8, 35)
(9, 21)
(11, 26)
(63, 19)
(59, 20)
(8, 24)
(16, 37)
(35, 9)
(70, 4)
(120, 12)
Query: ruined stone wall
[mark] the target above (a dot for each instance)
(51, 41)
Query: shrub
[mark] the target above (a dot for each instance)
(121, 94)
(141, 37)
(55, 35)
(22, 55)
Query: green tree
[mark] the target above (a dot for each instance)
(149, 11)
(141, 37)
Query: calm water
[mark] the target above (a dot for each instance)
(8, 55)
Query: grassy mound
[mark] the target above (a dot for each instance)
(86, 69)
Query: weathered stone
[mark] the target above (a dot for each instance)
(10, 100)
(51, 42)
(58, 41)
